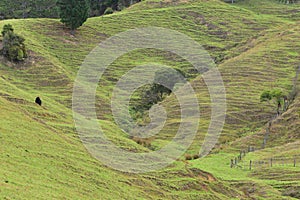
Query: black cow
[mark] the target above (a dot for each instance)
(38, 101)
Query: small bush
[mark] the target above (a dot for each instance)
(13, 44)
(108, 11)
(7, 28)
(196, 156)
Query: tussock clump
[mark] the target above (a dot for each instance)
(188, 157)
(146, 142)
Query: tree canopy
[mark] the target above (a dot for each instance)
(73, 13)
(275, 94)
(278, 98)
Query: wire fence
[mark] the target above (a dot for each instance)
(239, 162)
(277, 161)
(294, 161)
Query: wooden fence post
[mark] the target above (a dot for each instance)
(271, 162)
(231, 163)
(250, 165)
(264, 143)
(294, 162)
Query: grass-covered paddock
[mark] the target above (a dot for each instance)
(256, 47)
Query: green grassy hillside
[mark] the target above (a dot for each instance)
(42, 156)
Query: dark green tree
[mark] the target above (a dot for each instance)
(96, 8)
(73, 13)
(165, 81)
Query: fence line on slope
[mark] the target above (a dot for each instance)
(234, 162)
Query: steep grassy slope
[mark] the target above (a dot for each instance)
(283, 140)
(42, 155)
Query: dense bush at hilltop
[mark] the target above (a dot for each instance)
(48, 9)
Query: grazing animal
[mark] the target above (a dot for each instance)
(38, 101)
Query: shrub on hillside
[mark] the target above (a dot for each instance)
(7, 28)
(108, 11)
(13, 44)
